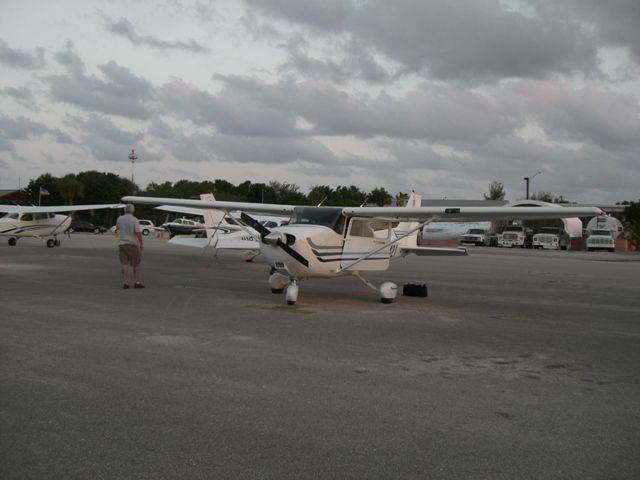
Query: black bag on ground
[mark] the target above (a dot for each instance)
(414, 290)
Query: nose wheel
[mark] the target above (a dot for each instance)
(292, 293)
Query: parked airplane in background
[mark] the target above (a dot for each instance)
(224, 231)
(329, 242)
(39, 222)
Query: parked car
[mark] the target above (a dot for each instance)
(83, 226)
(147, 227)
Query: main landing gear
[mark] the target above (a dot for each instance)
(53, 242)
(277, 282)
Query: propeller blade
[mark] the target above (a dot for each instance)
(256, 225)
(293, 253)
(264, 231)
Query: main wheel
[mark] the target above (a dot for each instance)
(13, 241)
(51, 243)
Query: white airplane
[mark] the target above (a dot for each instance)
(40, 222)
(224, 231)
(329, 242)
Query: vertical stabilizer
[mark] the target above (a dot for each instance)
(212, 220)
(414, 200)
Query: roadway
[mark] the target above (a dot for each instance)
(519, 364)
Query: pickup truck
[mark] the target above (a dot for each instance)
(601, 239)
(475, 236)
(553, 238)
(516, 236)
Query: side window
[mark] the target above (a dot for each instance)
(27, 217)
(360, 228)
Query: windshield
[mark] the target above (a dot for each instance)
(605, 233)
(513, 228)
(326, 216)
(549, 230)
(476, 231)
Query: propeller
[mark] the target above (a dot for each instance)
(273, 238)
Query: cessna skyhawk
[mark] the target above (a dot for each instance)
(329, 242)
(39, 222)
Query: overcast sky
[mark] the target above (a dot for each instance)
(440, 96)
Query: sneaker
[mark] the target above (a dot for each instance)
(125, 285)
(138, 285)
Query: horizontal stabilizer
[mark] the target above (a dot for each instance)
(435, 251)
(224, 244)
(189, 241)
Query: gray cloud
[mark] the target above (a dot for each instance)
(21, 128)
(325, 15)
(104, 127)
(22, 59)
(121, 93)
(124, 28)
(6, 146)
(461, 41)
(357, 62)
(615, 22)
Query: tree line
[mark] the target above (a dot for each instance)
(98, 187)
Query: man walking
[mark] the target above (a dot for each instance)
(129, 246)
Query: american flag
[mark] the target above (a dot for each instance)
(44, 191)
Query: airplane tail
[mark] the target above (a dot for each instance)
(414, 200)
(212, 220)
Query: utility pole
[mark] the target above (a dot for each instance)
(133, 157)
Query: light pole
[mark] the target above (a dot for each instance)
(528, 179)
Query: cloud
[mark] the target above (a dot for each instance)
(120, 93)
(124, 28)
(325, 15)
(457, 41)
(614, 22)
(20, 58)
(21, 128)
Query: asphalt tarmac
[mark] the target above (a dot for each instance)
(518, 365)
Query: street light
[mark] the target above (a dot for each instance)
(528, 179)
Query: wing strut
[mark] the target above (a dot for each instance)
(388, 244)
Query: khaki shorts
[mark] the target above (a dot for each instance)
(129, 254)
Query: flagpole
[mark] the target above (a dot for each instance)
(40, 196)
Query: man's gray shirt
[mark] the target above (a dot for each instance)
(127, 226)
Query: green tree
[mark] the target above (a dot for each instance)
(632, 220)
(319, 194)
(542, 197)
(380, 197)
(70, 188)
(401, 199)
(496, 191)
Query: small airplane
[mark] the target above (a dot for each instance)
(224, 231)
(330, 242)
(40, 222)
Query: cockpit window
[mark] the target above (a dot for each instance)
(326, 216)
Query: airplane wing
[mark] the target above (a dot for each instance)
(470, 213)
(183, 210)
(268, 208)
(435, 251)
(57, 208)
(390, 213)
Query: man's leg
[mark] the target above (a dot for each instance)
(124, 272)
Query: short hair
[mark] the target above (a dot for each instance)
(129, 208)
